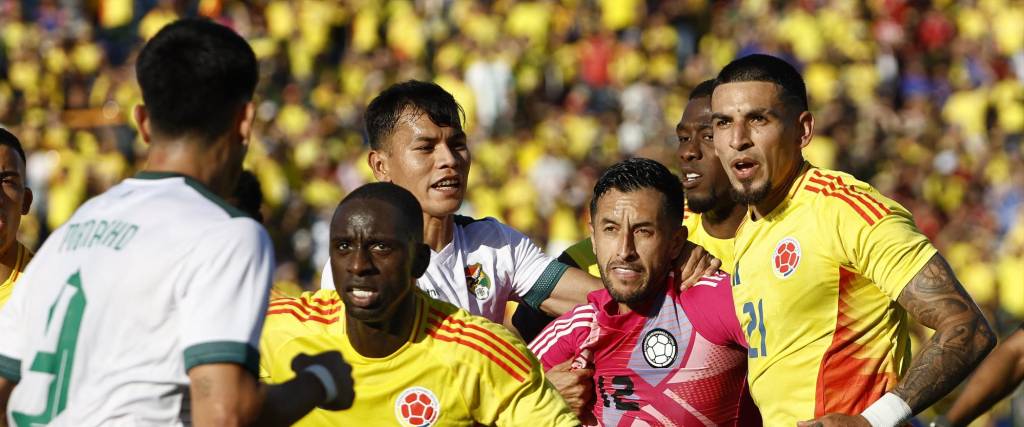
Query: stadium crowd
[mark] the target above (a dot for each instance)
(923, 100)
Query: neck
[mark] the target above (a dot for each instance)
(722, 221)
(381, 339)
(778, 194)
(8, 260)
(192, 158)
(644, 304)
(438, 231)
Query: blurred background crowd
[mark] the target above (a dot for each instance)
(923, 99)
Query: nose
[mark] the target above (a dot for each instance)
(689, 150)
(627, 246)
(445, 156)
(739, 138)
(360, 263)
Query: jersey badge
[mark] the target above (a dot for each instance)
(786, 257)
(659, 348)
(417, 407)
(478, 282)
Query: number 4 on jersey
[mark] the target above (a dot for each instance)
(71, 303)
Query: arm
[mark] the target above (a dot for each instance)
(995, 379)
(6, 387)
(935, 298)
(222, 394)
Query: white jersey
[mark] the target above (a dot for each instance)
(145, 281)
(485, 265)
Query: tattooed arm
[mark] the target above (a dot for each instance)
(936, 299)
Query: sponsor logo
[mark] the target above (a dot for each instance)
(478, 282)
(659, 348)
(417, 407)
(786, 257)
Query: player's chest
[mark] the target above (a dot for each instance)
(466, 278)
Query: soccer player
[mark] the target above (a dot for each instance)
(996, 377)
(660, 356)
(154, 292)
(710, 216)
(417, 142)
(416, 361)
(827, 270)
(15, 200)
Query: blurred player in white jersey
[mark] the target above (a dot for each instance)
(146, 307)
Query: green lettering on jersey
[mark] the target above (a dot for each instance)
(87, 235)
(62, 359)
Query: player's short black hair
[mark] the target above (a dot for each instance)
(7, 138)
(703, 89)
(411, 214)
(638, 173)
(412, 96)
(195, 75)
(767, 68)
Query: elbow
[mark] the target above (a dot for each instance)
(985, 339)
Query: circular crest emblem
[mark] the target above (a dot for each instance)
(786, 257)
(659, 348)
(417, 407)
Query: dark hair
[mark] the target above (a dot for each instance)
(248, 195)
(7, 138)
(637, 173)
(703, 89)
(195, 75)
(767, 68)
(411, 214)
(418, 97)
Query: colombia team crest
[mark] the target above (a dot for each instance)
(659, 348)
(478, 282)
(786, 257)
(417, 407)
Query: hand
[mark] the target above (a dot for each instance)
(836, 420)
(696, 263)
(340, 371)
(575, 385)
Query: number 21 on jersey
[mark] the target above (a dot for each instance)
(756, 324)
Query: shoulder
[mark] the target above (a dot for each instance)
(842, 193)
(308, 313)
(573, 324)
(485, 229)
(473, 341)
(714, 288)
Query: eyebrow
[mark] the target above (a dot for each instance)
(5, 174)
(634, 225)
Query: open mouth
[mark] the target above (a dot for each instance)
(744, 168)
(691, 179)
(447, 185)
(625, 272)
(362, 297)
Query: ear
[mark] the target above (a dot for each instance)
(679, 242)
(245, 124)
(420, 260)
(806, 127)
(26, 201)
(142, 119)
(379, 164)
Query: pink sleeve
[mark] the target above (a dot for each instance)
(709, 306)
(561, 339)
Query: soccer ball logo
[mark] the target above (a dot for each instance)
(786, 258)
(659, 348)
(417, 407)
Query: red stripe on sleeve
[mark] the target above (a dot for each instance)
(313, 318)
(455, 339)
(495, 339)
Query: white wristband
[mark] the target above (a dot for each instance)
(321, 373)
(888, 411)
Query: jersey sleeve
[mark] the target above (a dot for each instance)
(875, 236)
(534, 272)
(563, 338)
(12, 340)
(709, 306)
(511, 395)
(327, 277)
(224, 296)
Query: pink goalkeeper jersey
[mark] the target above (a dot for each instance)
(683, 363)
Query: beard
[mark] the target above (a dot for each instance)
(633, 296)
(750, 196)
(701, 204)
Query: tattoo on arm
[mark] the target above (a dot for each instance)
(204, 387)
(962, 336)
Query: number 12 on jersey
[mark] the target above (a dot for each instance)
(756, 323)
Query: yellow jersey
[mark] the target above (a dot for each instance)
(582, 253)
(455, 370)
(815, 285)
(24, 255)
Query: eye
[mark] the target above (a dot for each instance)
(343, 246)
(759, 120)
(426, 148)
(684, 139)
(722, 123)
(645, 232)
(707, 137)
(610, 228)
(380, 248)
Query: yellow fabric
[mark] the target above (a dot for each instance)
(497, 383)
(582, 253)
(825, 333)
(24, 255)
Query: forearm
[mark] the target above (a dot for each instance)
(286, 403)
(995, 379)
(962, 335)
(571, 290)
(6, 387)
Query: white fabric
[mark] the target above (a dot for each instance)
(190, 274)
(510, 261)
(888, 411)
